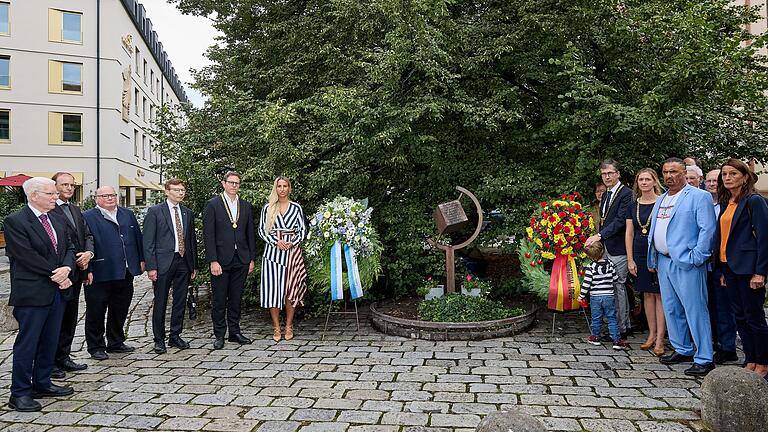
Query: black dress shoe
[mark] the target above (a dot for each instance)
(722, 357)
(178, 342)
(218, 343)
(242, 340)
(99, 355)
(160, 348)
(53, 390)
(122, 348)
(57, 373)
(700, 370)
(24, 404)
(675, 358)
(70, 366)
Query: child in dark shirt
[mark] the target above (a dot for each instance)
(598, 285)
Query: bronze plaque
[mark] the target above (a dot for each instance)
(450, 217)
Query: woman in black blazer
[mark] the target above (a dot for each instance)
(740, 249)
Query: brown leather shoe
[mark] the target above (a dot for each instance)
(276, 336)
(288, 332)
(647, 344)
(659, 350)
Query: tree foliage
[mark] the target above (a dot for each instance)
(399, 101)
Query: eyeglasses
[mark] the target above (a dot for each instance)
(232, 183)
(608, 173)
(48, 194)
(107, 196)
(177, 190)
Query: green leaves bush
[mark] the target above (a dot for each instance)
(464, 308)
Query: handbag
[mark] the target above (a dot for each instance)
(192, 302)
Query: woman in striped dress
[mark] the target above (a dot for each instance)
(283, 276)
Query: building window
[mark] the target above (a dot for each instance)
(5, 125)
(144, 109)
(152, 80)
(138, 60)
(136, 101)
(5, 23)
(136, 143)
(65, 26)
(157, 86)
(151, 155)
(144, 147)
(65, 128)
(5, 72)
(144, 69)
(65, 77)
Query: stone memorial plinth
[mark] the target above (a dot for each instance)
(734, 399)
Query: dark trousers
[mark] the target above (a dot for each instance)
(110, 298)
(750, 316)
(177, 277)
(721, 314)
(227, 292)
(68, 325)
(35, 346)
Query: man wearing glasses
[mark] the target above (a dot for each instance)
(230, 248)
(109, 288)
(613, 209)
(41, 253)
(83, 242)
(170, 250)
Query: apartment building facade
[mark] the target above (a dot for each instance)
(80, 82)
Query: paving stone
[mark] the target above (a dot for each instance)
(269, 413)
(140, 422)
(608, 425)
(674, 415)
(366, 417)
(279, 426)
(325, 427)
(102, 420)
(60, 418)
(638, 402)
(20, 417)
(313, 415)
(405, 418)
(183, 410)
(560, 424)
(472, 408)
(427, 407)
(542, 400)
(231, 425)
(662, 427)
(184, 423)
(227, 412)
(454, 420)
(589, 401)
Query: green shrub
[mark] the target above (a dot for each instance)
(463, 308)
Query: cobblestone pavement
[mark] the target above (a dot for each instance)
(363, 381)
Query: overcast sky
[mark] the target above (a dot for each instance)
(185, 38)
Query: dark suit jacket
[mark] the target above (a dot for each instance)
(81, 237)
(614, 224)
(747, 254)
(32, 257)
(114, 245)
(160, 241)
(221, 238)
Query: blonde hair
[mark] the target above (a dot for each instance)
(595, 251)
(272, 205)
(657, 189)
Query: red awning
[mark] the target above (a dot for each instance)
(15, 180)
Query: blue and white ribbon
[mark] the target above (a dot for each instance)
(353, 274)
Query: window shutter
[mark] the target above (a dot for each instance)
(55, 128)
(55, 25)
(55, 76)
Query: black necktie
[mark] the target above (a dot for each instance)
(607, 203)
(68, 213)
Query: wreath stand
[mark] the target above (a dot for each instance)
(343, 312)
(554, 317)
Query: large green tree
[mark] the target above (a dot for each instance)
(401, 100)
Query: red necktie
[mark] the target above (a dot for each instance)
(49, 230)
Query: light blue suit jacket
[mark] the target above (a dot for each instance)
(690, 231)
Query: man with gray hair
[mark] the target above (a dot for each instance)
(693, 175)
(41, 254)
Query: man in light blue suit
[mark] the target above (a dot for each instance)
(680, 242)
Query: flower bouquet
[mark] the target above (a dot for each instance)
(557, 231)
(343, 227)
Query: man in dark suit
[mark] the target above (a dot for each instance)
(170, 250)
(230, 248)
(83, 242)
(613, 209)
(109, 290)
(41, 254)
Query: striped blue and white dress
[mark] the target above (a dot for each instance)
(283, 275)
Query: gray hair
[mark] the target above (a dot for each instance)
(695, 169)
(36, 184)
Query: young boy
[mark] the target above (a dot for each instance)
(599, 278)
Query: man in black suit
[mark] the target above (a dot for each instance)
(170, 251)
(41, 254)
(83, 242)
(230, 248)
(613, 224)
